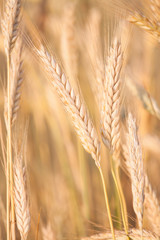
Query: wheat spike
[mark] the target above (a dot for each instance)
(149, 103)
(10, 24)
(17, 84)
(145, 23)
(135, 162)
(16, 74)
(155, 8)
(152, 207)
(151, 203)
(110, 114)
(72, 103)
(21, 200)
(134, 234)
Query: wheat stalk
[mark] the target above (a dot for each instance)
(21, 200)
(3, 213)
(10, 29)
(135, 162)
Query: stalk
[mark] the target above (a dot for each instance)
(116, 177)
(107, 202)
(9, 158)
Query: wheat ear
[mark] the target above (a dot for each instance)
(151, 203)
(10, 23)
(134, 234)
(135, 162)
(17, 84)
(149, 103)
(145, 23)
(110, 117)
(155, 8)
(110, 114)
(21, 200)
(73, 105)
(152, 207)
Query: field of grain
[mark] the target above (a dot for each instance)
(79, 123)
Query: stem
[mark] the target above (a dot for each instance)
(8, 198)
(8, 156)
(107, 202)
(9, 151)
(122, 196)
(116, 177)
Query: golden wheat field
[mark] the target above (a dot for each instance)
(80, 119)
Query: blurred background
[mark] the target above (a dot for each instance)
(65, 190)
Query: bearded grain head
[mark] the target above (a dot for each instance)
(21, 200)
(73, 104)
(110, 114)
(135, 163)
(11, 23)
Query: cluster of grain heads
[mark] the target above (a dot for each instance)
(135, 163)
(21, 199)
(78, 113)
(109, 85)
